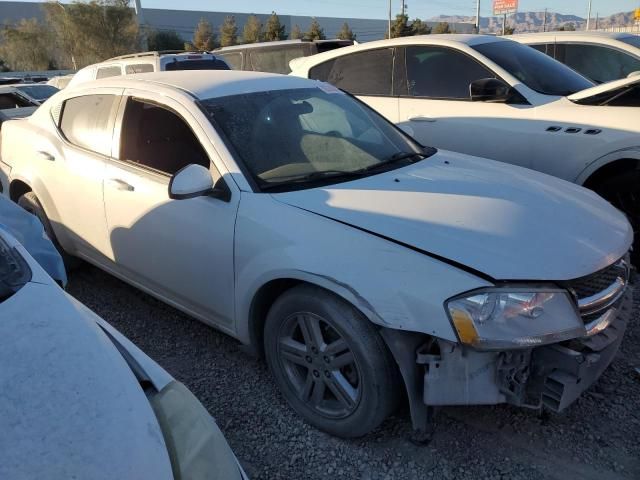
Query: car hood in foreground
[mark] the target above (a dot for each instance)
(506, 222)
(71, 406)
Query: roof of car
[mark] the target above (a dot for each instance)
(582, 35)
(204, 84)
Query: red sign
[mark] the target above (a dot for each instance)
(505, 7)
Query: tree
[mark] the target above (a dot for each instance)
(442, 27)
(400, 28)
(418, 27)
(296, 33)
(567, 27)
(315, 32)
(89, 32)
(346, 33)
(508, 30)
(158, 40)
(228, 32)
(274, 31)
(252, 31)
(203, 37)
(26, 46)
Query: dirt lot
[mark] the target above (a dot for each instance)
(597, 438)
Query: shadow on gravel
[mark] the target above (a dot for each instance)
(596, 438)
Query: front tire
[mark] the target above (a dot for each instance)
(329, 362)
(29, 201)
(623, 192)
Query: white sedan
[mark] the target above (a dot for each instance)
(78, 399)
(495, 98)
(296, 219)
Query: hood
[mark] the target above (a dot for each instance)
(509, 223)
(604, 88)
(71, 406)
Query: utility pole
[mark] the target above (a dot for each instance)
(141, 25)
(403, 7)
(504, 24)
(597, 19)
(589, 16)
(389, 18)
(544, 22)
(478, 17)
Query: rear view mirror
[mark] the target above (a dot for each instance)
(189, 182)
(490, 90)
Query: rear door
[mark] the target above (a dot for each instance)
(436, 107)
(367, 74)
(179, 250)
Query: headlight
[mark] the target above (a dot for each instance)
(508, 318)
(196, 445)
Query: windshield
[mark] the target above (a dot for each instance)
(39, 92)
(536, 70)
(632, 40)
(187, 64)
(296, 138)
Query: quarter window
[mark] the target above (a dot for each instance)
(438, 72)
(363, 73)
(600, 64)
(106, 72)
(157, 138)
(139, 68)
(87, 122)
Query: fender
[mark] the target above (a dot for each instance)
(624, 153)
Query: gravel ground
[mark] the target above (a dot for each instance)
(596, 438)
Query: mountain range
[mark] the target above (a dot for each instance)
(533, 21)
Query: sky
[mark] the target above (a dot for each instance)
(379, 8)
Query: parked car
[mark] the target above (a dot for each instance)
(168, 60)
(296, 219)
(78, 399)
(495, 98)
(60, 82)
(38, 92)
(274, 57)
(14, 103)
(600, 56)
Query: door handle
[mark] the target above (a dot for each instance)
(121, 184)
(421, 118)
(46, 156)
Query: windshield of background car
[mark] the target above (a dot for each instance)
(536, 70)
(39, 92)
(634, 40)
(189, 64)
(285, 136)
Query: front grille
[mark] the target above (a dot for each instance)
(597, 282)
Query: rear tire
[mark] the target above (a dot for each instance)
(29, 201)
(329, 362)
(623, 192)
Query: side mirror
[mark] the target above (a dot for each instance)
(189, 182)
(490, 90)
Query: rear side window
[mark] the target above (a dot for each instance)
(87, 122)
(106, 72)
(598, 63)
(139, 68)
(234, 59)
(362, 73)
(437, 72)
(274, 60)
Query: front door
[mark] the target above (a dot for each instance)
(179, 250)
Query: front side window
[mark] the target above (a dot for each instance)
(139, 68)
(157, 138)
(439, 72)
(87, 122)
(286, 138)
(534, 69)
(106, 72)
(600, 64)
(363, 73)
(274, 60)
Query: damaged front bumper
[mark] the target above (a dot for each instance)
(442, 373)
